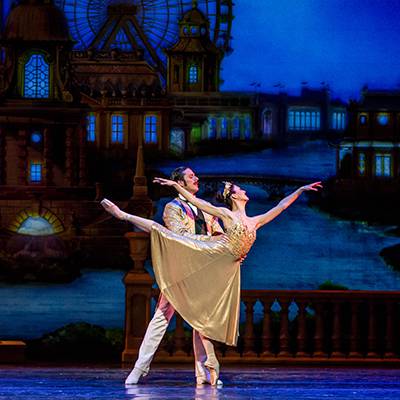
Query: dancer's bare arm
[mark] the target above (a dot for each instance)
(219, 212)
(114, 210)
(263, 219)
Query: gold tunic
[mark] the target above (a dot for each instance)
(201, 278)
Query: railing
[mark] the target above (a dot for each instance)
(281, 326)
(277, 326)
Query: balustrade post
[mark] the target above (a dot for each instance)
(179, 338)
(337, 331)
(138, 294)
(284, 329)
(301, 334)
(372, 341)
(389, 339)
(266, 338)
(248, 337)
(355, 330)
(319, 331)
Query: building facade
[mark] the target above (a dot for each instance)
(370, 152)
(84, 86)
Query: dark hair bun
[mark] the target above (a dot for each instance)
(220, 198)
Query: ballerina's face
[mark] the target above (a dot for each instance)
(239, 194)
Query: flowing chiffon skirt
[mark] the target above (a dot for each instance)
(201, 279)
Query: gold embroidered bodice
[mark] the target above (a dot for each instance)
(240, 239)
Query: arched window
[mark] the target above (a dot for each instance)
(267, 122)
(193, 74)
(36, 72)
(247, 126)
(236, 128)
(224, 128)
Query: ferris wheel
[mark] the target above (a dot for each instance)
(158, 20)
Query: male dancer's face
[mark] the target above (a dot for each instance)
(190, 181)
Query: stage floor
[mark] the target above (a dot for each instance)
(176, 382)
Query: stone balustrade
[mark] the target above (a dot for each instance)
(277, 326)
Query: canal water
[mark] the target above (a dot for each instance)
(301, 249)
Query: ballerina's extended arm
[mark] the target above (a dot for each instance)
(219, 212)
(142, 223)
(263, 219)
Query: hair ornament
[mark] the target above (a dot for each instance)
(227, 189)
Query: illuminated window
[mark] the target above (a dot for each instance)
(91, 127)
(361, 164)
(212, 128)
(36, 226)
(236, 128)
(35, 172)
(150, 129)
(383, 119)
(195, 134)
(224, 128)
(338, 120)
(121, 41)
(117, 128)
(193, 74)
(36, 137)
(363, 119)
(247, 127)
(299, 120)
(267, 122)
(36, 77)
(383, 164)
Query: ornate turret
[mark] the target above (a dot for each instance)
(194, 61)
(50, 22)
(36, 56)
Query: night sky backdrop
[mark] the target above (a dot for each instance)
(345, 43)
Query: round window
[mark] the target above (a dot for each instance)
(36, 137)
(383, 119)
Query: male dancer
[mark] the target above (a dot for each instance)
(183, 218)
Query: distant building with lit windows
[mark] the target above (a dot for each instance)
(311, 114)
(371, 149)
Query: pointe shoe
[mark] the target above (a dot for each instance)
(200, 380)
(133, 377)
(214, 372)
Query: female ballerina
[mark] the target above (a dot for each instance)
(201, 278)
